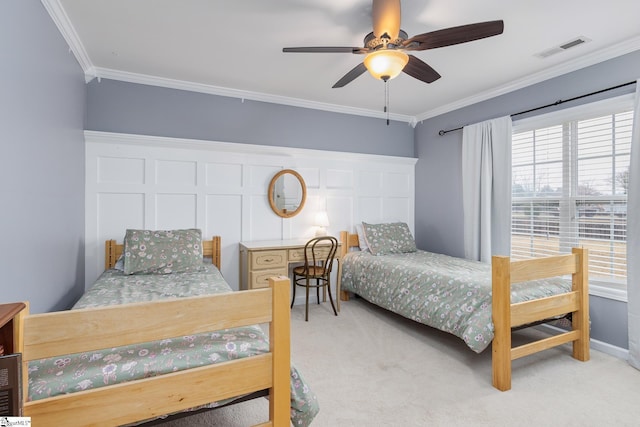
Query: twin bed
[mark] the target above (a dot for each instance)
(142, 345)
(477, 302)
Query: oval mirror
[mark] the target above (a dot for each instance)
(287, 193)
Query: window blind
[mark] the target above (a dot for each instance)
(569, 189)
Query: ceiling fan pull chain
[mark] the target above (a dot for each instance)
(386, 99)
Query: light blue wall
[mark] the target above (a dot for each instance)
(42, 99)
(115, 106)
(438, 173)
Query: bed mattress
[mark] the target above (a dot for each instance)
(444, 292)
(76, 372)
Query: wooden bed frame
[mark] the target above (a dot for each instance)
(55, 334)
(507, 316)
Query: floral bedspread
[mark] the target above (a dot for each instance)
(54, 376)
(447, 293)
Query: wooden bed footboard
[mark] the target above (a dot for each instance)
(60, 333)
(507, 315)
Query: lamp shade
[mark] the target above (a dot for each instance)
(322, 219)
(386, 63)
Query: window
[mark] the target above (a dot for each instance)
(570, 173)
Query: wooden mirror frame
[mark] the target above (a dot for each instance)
(283, 212)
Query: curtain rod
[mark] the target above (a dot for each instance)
(558, 102)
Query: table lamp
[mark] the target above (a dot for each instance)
(321, 223)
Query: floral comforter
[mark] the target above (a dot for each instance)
(448, 293)
(54, 376)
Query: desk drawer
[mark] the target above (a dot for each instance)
(297, 255)
(268, 259)
(260, 279)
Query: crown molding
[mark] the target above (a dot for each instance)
(242, 94)
(238, 148)
(593, 58)
(62, 21)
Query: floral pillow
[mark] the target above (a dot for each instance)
(162, 252)
(389, 238)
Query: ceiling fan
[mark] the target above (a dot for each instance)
(385, 47)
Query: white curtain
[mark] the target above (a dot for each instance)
(486, 188)
(633, 238)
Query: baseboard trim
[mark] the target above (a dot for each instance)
(610, 349)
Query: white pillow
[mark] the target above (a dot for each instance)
(119, 265)
(362, 242)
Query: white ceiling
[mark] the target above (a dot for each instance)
(235, 47)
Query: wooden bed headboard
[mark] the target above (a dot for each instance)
(348, 240)
(210, 248)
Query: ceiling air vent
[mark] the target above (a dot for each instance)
(562, 47)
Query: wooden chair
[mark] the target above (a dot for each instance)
(319, 254)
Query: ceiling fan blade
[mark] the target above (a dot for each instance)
(325, 49)
(454, 35)
(351, 75)
(418, 69)
(385, 15)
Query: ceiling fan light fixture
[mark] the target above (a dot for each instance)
(386, 64)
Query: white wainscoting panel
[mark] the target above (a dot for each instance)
(396, 207)
(339, 179)
(120, 170)
(396, 184)
(148, 182)
(370, 183)
(116, 211)
(371, 209)
(175, 211)
(311, 177)
(341, 208)
(224, 177)
(172, 174)
(223, 218)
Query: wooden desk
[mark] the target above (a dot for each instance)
(260, 260)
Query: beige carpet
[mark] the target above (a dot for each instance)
(369, 367)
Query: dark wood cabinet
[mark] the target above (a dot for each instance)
(10, 362)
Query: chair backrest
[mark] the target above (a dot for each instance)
(320, 251)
